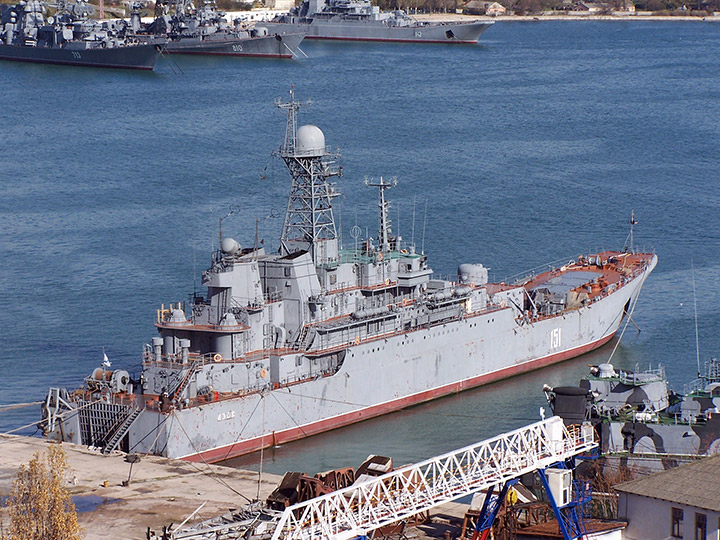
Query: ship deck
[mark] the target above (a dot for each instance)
(614, 270)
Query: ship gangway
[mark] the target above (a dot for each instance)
(361, 508)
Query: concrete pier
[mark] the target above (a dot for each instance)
(161, 491)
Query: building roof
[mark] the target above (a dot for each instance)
(550, 529)
(474, 4)
(696, 484)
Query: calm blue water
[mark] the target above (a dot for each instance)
(534, 146)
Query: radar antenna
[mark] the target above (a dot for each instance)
(384, 231)
(630, 242)
(292, 108)
(697, 337)
(309, 221)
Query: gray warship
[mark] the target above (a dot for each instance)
(69, 38)
(181, 28)
(287, 344)
(638, 415)
(359, 20)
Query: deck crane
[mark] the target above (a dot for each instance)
(367, 505)
(403, 493)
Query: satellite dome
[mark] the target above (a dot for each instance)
(310, 141)
(229, 246)
(229, 320)
(177, 316)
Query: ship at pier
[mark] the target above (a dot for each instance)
(315, 336)
(180, 27)
(359, 20)
(70, 38)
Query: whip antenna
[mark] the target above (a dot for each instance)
(697, 338)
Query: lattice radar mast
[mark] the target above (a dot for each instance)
(309, 221)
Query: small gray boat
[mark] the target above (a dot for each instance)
(358, 20)
(182, 29)
(69, 38)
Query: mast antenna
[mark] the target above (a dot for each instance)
(630, 241)
(384, 230)
(422, 248)
(412, 235)
(292, 108)
(697, 338)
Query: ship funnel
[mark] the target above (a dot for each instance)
(475, 274)
(310, 141)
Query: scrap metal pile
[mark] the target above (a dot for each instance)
(258, 520)
(381, 497)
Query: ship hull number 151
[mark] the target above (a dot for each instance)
(556, 338)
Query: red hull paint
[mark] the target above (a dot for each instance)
(252, 445)
(230, 54)
(391, 40)
(78, 64)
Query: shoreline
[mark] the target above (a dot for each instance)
(257, 16)
(623, 17)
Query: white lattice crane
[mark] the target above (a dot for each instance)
(366, 506)
(403, 493)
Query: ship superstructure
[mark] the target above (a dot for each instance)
(182, 28)
(316, 336)
(69, 38)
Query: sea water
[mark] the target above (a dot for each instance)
(534, 146)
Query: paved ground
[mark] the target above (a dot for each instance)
(161, 491)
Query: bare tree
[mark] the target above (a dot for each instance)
(39, 506)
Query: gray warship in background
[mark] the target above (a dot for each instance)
(358, 20)
(315, 336)
(637, 415)
(182, 29)
(69, 38)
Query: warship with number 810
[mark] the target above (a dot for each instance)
(313, 337)
(359, 20)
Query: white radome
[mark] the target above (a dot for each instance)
(310, 141)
